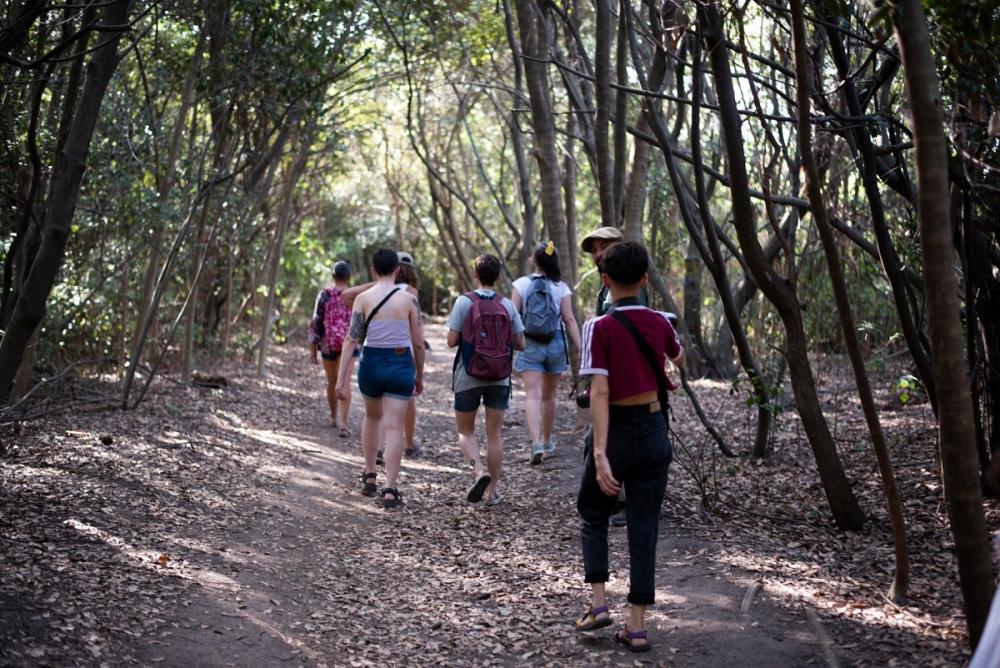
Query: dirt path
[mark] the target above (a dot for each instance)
(251, 545)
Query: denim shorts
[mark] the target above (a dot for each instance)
(496, 397)
(387, 372)
(546, 357)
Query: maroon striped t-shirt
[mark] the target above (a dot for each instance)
(609, 350)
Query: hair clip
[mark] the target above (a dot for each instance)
(550, 248)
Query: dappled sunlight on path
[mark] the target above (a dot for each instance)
(242, 537)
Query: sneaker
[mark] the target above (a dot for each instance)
(549, 448)
(413, 450)
(495, 499)
(537, 452)
(379, 459)
(619, 519)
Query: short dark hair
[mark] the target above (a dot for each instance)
(548, 262)
(488, 269)
(385, 261)
(625, 262)
(342, 269)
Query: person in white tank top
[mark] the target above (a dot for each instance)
(386, 319)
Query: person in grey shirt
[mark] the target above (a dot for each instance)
(471, 391)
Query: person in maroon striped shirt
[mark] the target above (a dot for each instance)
(631, 447)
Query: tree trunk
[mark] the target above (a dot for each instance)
(900, 583)
(603, 99)
(955, 430)
(274, 269)
(532, 32)
(717, 267)
(886, 249)
(165, 183)
(70, 165)
(517, 140)
(846, 511)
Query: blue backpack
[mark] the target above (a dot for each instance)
(540, 313)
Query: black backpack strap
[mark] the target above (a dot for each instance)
(647, 352)
(379, 306)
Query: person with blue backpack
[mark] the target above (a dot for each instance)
(486, 329)
(545, 304)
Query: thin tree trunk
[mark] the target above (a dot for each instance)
(901, 579)
(955, 430)
(886, 249)
(274, 269)
(70, 165)
(520, 159)
(762, 397)
(532, 32)
(846, 511)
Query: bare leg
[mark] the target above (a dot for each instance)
(395, 410)
(332, 368)
(371, 431)
(532, 404)
(637, 622)
(465, 424)
(494, 448)
(550, 383)
(410, 422)
(344, 407)
(597, 595)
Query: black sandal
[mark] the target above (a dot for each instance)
(368, 488)
(628, 641)
(395, 502)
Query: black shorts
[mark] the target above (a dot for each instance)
(334, 355)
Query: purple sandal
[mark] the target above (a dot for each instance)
(590, 622)
(628, 640)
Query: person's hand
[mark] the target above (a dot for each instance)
(342, 390)
(418, 385)
(312, 354)
(605, 479)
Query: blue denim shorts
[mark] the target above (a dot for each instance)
(496, 397)
(387, 372)
(545, 357)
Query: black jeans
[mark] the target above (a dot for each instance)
(639, 452)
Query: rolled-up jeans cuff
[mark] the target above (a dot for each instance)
(640, 598)
(591, 578)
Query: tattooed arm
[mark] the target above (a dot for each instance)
(355, 335)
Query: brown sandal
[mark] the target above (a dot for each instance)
(590, 622)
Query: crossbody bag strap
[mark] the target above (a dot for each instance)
(380, 305)
(647, 352)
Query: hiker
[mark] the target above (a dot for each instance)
(327, 329)
(486, 328)
(544, 302)
(409, 279)
(624, 354)
(596, 243)
(386, 320)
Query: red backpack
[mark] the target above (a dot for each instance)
(486, 347)
(336, 320)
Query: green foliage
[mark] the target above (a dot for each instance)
(909, 390)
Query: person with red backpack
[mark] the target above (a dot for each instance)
(327, 330)
(486, 329)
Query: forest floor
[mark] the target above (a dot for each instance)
(226, 527)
